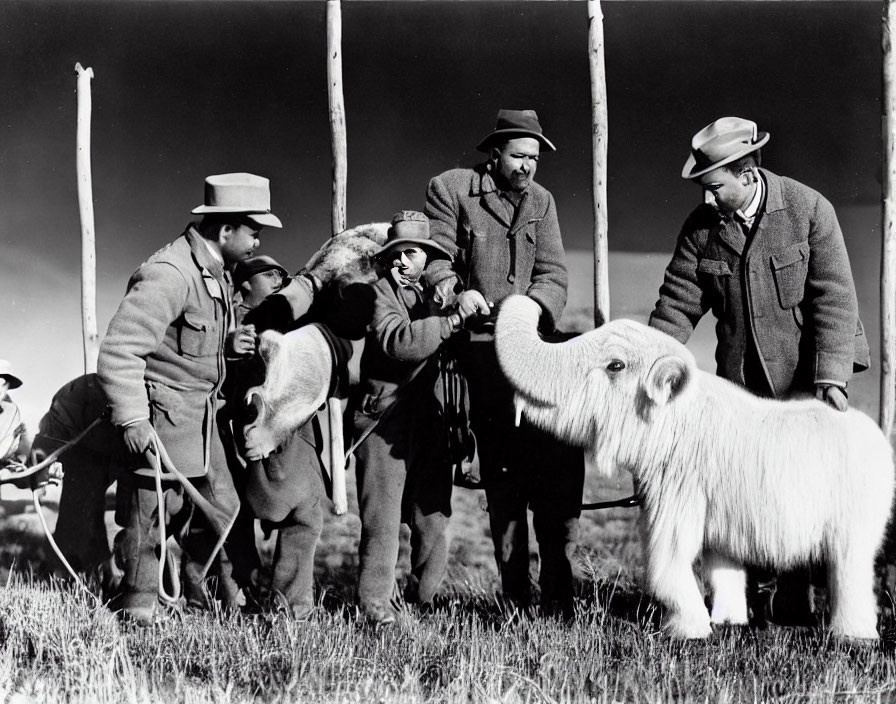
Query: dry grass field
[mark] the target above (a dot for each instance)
(58, 645)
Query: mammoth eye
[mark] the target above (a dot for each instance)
(616, 365)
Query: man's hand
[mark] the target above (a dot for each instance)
(444, 294)
(137, 436)
(241, 342)
(471, 303)
(832, 395)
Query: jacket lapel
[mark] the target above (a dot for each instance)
(732, 234)
(483, 185)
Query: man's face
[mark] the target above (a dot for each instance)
(517, 161)
(262, 285)
(407, 265)
(725, 191)
(238, 242)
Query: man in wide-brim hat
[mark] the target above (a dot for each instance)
(161, 366)
(765, 253)
(501, 228)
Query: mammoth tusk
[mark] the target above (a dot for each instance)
(518, 411)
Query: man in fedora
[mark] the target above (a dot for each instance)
(766, 255)
(402, 465)
(12, 429)
(501, 229)
(161, 366)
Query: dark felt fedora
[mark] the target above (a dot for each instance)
(721, 142)
(515, 123)
(410, 228)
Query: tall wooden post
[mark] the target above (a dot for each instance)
(599, 160)
(888, 246)
(85, 205)
(337, 113)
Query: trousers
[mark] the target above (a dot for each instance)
(286, 491)
(524, 469)
(403, 476)
(139, 512)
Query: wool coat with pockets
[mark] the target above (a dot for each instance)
(493, 253)
(788, 291)
(163, 355)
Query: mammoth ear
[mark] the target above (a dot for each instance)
(667, 378)
(255, 400)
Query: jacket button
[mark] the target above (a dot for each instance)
(511, 278)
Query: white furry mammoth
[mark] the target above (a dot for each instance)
(742, 479)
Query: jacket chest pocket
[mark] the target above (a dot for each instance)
(714, 276)
(790, 268)
(197, 335)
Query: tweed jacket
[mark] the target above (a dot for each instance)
(491, 254)
(402, 335)
(792, 283)
(163, 355)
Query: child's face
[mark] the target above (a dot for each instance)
(263, 284)
(408, 265)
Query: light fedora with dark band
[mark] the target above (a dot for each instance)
(721, 142)
(243, 193)
(410, 228)
(515, 123)
(6, 372)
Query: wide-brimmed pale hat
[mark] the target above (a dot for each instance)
(721, 142)
(240, 193)
(247, 268)
(515, 123)
(411, 228)
(6, 372)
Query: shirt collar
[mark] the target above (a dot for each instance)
(214, 252)
(748, 214)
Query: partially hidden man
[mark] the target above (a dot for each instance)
(161, 366)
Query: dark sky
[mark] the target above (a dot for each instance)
(187, 89)
(184, 89)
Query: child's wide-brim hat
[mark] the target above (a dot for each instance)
(721, 142)
(410, 228)
(515, 123)
(243, 193)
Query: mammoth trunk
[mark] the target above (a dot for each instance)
(529, 363)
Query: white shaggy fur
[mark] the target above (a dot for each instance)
(299, 371)
(349, 256)
(299, 364)
(736, 477)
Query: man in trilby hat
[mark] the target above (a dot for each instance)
(161, 366)
(501, 229)
(402, 464)
(766, 255)
(12, 429)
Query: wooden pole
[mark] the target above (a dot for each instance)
(337, 113)
(599, 160)
(888, 244)
(85, 204)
